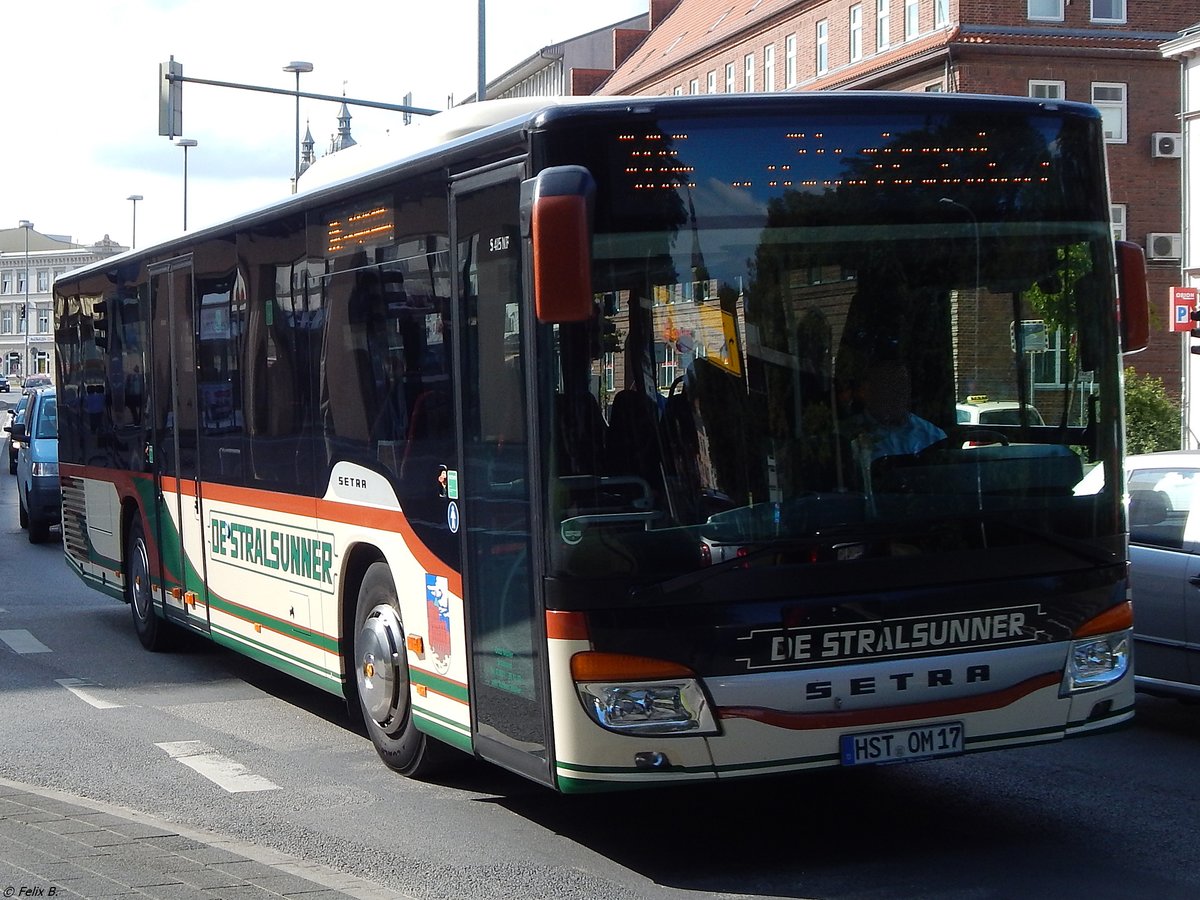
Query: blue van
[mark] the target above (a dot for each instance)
(38, 492)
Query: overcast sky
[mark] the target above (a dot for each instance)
(79, 84)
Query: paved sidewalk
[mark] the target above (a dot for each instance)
(57, 845)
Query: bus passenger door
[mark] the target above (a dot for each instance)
(506, 636)
(179, 526)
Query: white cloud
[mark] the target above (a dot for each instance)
(79, 85)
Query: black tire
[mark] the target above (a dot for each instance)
(380, 664)
(153, 631)
(22, 514)
(39, 530)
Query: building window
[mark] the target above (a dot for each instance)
(6, 319)
(43, 280)
(712, 82)
(21, 275)
(1117, 218)
(856, 33)
(730, 84)
(789, 60)
(43, 315)
(678, 92)
(1110, 100)
(748, 74)
(822, 46)
(1050, 10)
(1047, 90)
(769, 67)
(1108, 11)
(6, 283)
(883, 22)
(911, 20)
(694, 86)
(941, 13)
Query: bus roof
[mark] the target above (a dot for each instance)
(467, 124)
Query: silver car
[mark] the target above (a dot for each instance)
(1164, 551)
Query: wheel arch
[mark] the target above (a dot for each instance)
(358, 559)
(130, 510)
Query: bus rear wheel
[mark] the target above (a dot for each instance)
(151, 630)
(382, 681)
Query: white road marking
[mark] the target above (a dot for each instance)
(21, 641)
(74, 684)
(220, 770)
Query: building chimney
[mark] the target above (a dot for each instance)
(659, 10)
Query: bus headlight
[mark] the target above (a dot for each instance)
(1094, 662)
(636, 695)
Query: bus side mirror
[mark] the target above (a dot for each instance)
(1133, 298)
(556, 213)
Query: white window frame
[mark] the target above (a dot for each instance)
(712, 81)
(941, 13)
(883, 24)
(822, 55)
(43, 320)
(1110, 107)
(912, 19)
(789, 60)
(856, 32)
(748, 74)
(1120, 11)
(43, 281)
(6, 320)
(694, 86)
(1117, 218)
(1047, 90)
(1044, 10)
(769, 67)
(730, 78)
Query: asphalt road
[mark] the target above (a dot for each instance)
(204, 738)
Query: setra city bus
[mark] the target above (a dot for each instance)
(615, 442)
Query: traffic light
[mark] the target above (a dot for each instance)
(1195, 317)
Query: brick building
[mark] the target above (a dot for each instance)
(1105, 52)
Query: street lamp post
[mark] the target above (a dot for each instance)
(185, 143)
(297, 66)
(135, 198)
(28, 226)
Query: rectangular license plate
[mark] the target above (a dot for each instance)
(902, 744)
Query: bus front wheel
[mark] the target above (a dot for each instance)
(382, 680)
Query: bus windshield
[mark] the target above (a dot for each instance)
(797, 325)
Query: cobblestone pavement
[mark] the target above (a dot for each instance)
(57, 845)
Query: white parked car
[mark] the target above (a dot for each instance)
(981, 410)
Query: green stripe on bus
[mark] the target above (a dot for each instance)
(325, 679)
(444, 730)
(452, 689)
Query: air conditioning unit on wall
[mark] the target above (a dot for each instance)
(1166, 145)
(1164, 245)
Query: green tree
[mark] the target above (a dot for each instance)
(1152, 419)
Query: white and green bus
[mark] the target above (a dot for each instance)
(550, 441)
